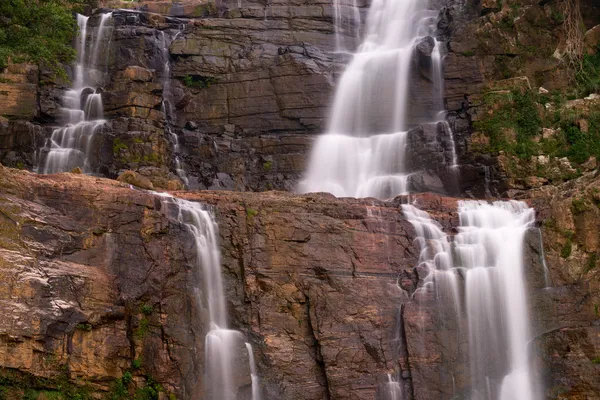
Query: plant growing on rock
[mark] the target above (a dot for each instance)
(40, 33)
(515, 111)
(588, 76)
(198, 82)
(566, 250)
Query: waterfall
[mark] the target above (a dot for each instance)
(394, 389)
(222, 345)
(437, 64)
(253, 373)
(83, 111)
(488, 253)
(346, 15)
(167, 104)
(490, 247)
(363, 152)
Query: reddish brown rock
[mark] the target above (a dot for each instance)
(96, 276)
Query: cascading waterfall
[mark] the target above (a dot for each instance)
(437, 64)
(253, 373)
(83, 112)
(167, 104)
(490, 247)
(346, 23)
(435, 258)
(363, 153)
(488, 253)
(222, 345)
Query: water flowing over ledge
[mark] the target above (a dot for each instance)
(223, 345)
(364, 152)
(83, 113)
(480, 273)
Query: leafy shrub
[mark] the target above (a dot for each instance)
(137, 363)
(588, 77)
(146, 309)
(198, 82)
(517, 111)
(38, 33)
(581, 145)
(127, 378)
(565, 252)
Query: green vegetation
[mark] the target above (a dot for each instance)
(566, 250)
(268, 165)
(579, 206)
(142, 329)
(146, 309)
(580, 146)
(84, 327)
(588, 77)
(120, 389)
(38, 31)
(251, 213)
(127, 378)
(516, 112)
(596, 360)
(515, 121)
(591, 263)
(150, 391)
(137, 363)
(198, 82)
(14, 383)
(118, 145)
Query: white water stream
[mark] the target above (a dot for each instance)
(363, 152)
(222, 345)
(253, 373)
(484, 265)
(167, 104)
(346, 24)
(83, 112)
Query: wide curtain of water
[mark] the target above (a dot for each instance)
(363, 152)
(480, 272)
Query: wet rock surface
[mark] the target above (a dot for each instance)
(322, 288)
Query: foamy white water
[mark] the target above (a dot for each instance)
(489, 251)
(363, 153)
(358, 167)
(490, 247)
(220, 342)
(222, 345)
(253, 373)
(83, 112)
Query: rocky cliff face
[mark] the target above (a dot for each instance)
(98, 283)
(249, 84)
(98, 279)
(246, 87)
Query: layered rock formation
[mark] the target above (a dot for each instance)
(98, 283)
(246, 86)
(98, 280)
